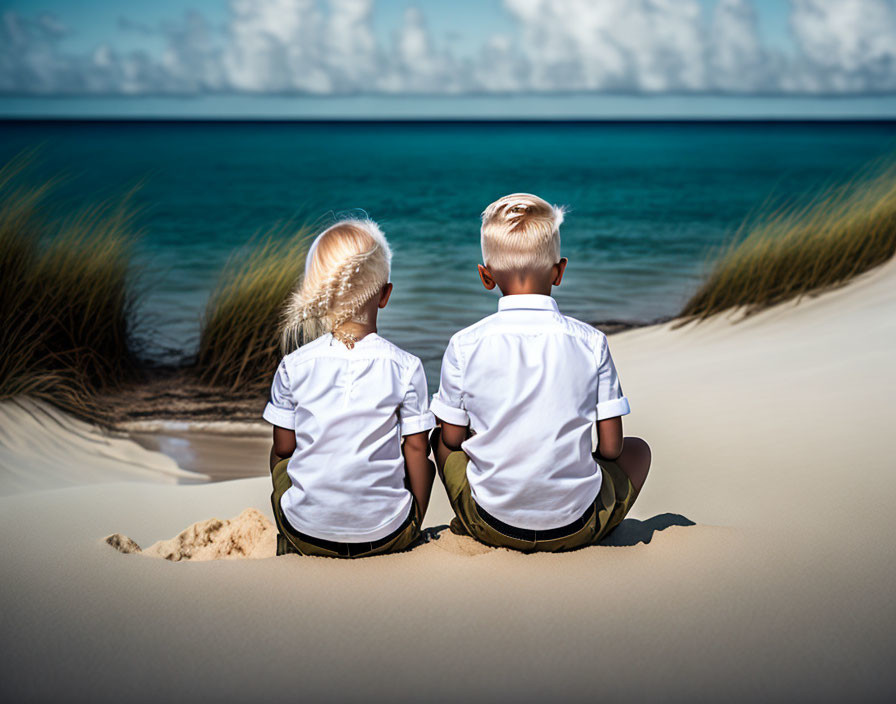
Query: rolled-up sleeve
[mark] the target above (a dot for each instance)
(448, 402)
(281, 408)
(414, 414)
(611, 402)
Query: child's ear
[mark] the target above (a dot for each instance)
(384, 296)
(487, 279)
(559, 268)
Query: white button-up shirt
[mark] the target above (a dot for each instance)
(349, 409)
(530, 382)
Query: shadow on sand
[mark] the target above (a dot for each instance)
(628, 533)
(633, 532)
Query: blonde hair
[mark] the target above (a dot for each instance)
(521, 231)
(346, 266)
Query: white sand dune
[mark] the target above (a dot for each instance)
(43, 448)
(772, 435)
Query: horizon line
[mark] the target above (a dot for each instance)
(8, 119)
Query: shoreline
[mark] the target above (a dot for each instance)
(214, 454)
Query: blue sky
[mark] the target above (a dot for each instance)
(651, 58)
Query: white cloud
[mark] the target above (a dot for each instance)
(737, 60)
(329, 47)
(191, 60)
(500, 67)
(274, 46)
(350, 50)
(846, 45)
(417, 65)
(620, 45)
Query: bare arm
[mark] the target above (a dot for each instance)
(609, 438)
(453, 436)
(284, 445)
(420, 471)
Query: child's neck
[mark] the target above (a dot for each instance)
(353, 331)
(357, 328)
(519, 285)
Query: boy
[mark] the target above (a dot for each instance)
(520, 393)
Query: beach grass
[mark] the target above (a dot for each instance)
(66, 301)
(798, 249)
(239, 338)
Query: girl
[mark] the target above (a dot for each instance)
(350, 410)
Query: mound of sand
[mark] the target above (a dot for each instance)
(250, 535)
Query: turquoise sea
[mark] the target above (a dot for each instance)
(648, 201)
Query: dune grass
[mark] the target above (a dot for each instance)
(239, 338)
(66, 306)
(800, 249)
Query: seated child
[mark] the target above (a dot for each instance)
(350, 460)
(520, 393)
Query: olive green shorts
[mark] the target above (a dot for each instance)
(290, 541)
(612, 504)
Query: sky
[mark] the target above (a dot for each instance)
(563, 58)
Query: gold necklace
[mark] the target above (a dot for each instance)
(346, 338)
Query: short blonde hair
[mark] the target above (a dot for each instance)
(346, 266)
(521, 232)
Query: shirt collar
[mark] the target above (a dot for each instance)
(528, 301)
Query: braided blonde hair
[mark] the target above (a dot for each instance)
(521, 232)
(345, 267)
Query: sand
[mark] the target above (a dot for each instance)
(42, 447)
(756, 564)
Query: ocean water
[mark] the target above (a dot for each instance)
(648, 203)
